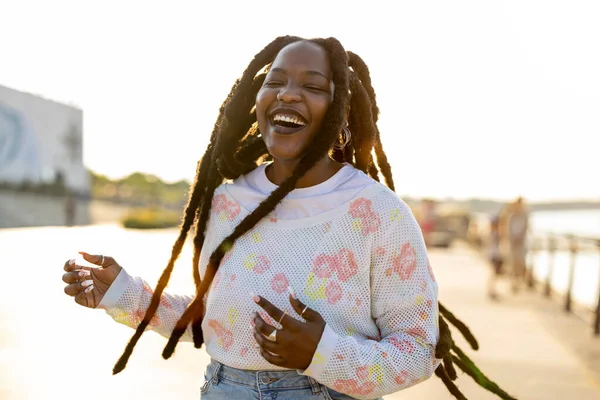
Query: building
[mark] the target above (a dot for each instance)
(41, 141)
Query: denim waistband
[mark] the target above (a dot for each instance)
(261, 379)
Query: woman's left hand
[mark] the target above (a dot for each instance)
(294, 344)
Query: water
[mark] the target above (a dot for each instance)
(576, 222)
(587, 263)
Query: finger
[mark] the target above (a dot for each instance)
(86, 296)
(71, 265)
(261, 326)
(72, 289)
(265, 343)
(75, 288)
(297, 305)
(76, 276)
(97, 259)
(272, 358)
(266, 305)
(303, 311)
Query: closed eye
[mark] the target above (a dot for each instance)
(317, 88)
(272, 83)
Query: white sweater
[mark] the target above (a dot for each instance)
(350, 249)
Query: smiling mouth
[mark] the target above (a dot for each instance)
(287, 123)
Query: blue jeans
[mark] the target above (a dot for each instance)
(223, 382)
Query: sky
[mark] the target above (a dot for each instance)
(488, 99)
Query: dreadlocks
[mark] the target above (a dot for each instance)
(236, 148)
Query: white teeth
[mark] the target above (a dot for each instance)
(288, 118)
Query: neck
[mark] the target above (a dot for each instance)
(324, 169)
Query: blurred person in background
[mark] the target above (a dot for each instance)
(70, 208)
(495, 256)
(517, 225)
(428, 219)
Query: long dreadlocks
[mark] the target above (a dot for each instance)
(236, 148)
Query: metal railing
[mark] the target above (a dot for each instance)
(574, 245)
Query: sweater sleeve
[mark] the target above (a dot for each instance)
(128, 298)
(404, 306)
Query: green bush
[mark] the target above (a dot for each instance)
(151, 218)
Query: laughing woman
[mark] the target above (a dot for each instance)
(312, 277)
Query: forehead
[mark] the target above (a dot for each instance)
(303, 56)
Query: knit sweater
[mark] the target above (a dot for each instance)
(354, 253)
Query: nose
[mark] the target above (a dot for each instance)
(289, 94)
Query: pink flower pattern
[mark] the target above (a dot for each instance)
(370, 224)
(222, 206)
(403, 345)
(430, 271)
(343, 263)
(216, 280)
(262, 265)
(333, 291)
(362, 372)
(402, 378)
(139, 316)
(163, 300)
(351, 386)
(266, 317)
(225, 335)
(406, 262)
(324, 265)
(361, 209)
(347, 266)
(417, 331)
(279, 283)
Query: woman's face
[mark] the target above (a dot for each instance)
(293, 101)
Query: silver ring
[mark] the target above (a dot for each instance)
(101, 260)
(303, 311)
(281, 319)
(273, 336)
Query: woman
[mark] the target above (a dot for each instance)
(320, 286)
(517, 228)
(495, 256)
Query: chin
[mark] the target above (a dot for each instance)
(286, 152)
(284, 155)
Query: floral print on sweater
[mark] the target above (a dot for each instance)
(363, 266)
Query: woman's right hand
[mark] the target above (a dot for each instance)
(89, 285)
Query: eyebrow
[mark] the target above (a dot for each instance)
(309, 72)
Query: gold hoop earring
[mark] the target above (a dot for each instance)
(346, 136)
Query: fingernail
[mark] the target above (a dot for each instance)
(84, 272)
(87, 283)
(89, 289)
(292, 292)
(71, 262)
(254, 297)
